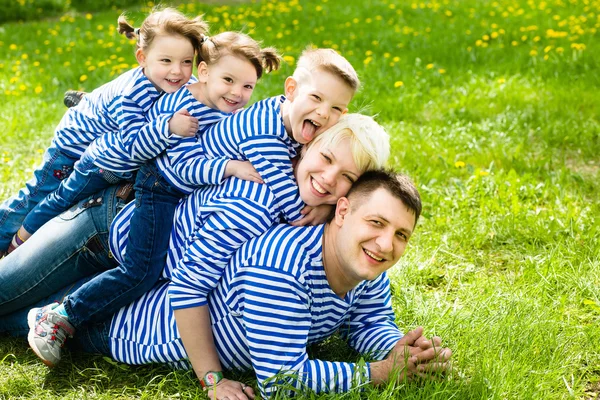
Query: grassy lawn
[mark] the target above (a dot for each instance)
(493, 107)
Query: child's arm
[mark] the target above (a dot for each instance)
(314, 215)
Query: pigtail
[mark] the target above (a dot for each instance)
(271, 60)
(124, 28)
(203, 49)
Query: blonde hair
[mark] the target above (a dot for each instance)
(240, 45)
(369, 142)
(327, 60)
(167, 21)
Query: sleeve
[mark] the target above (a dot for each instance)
(187, 160)
(141, 139)
(371, 329)
(277, 317)
(231, 223)
(271, 158)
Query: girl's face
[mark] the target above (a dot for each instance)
(227, 84)
(168, 62)
(326, 174)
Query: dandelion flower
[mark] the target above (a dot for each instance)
(429, 66)
(459, 164)
(38, 89)
(83, 78)
(398, 84)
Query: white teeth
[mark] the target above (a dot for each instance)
(373, 256)
(229, 101)
(318, 187)
(314, 123)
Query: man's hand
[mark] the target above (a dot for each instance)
(183, 124)
(243, 170)
(232, 390)
(413, 356)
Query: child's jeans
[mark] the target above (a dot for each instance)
(55, 167)
(85, 180)
(148, 242)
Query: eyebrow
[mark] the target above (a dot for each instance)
(407, 232)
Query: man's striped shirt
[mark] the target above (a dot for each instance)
(273, 301)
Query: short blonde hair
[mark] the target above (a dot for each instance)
(369, 142)
(325, 60)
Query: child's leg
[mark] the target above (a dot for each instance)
(85, 180)
(148, 242)
(55, 167)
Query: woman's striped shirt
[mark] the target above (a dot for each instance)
(119, 105)
(273, 301)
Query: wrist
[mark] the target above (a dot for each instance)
(211, 379)
(229, 168)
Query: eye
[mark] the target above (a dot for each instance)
(375, 222)
(249, 87)
(316, 97)
(339, 109)
(228, 80)
(165, 60)
(402, 236)
(187, 62)
(350, 179)
(326, 157)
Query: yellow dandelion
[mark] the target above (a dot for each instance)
(483, 173)
(459, 164)
(100, 27)
(36, 63)
(24, 56)
(514, 43)
(486, 37)
(398, 84)
(448, 13)
(367, 60)
(38, 89)
(88, 16)
(67, 63)
(396, 59)
(547, 49)
(429, 66)
(91, 68)
(289, 59)
(22, 87)
(501, 80)
(12, 46)
(533, 53)
(386, 55)
(83, 78)
(442, 71)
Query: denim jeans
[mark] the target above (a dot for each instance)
(85, 180)
(69, 247)
(55, 167)
(147, 246)
(92, 339)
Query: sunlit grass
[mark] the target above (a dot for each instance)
(493, 110)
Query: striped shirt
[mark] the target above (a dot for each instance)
(125, 145)
(273, 301)
(116, 105)
(256, 134)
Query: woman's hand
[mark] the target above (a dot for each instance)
(243, 170)
(227, 389)
(314, 215)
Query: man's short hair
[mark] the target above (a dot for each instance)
(325, 60)
(398, 185)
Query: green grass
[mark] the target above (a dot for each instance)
(502, 141)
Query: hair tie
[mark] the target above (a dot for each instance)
(204, 39)
(136, 31)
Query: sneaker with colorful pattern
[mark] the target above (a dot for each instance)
(48, 331)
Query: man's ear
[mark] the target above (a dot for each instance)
(341, 210)
(140, 57)
(290, 88)
(203, 72)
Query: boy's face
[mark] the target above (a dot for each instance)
(315, 105)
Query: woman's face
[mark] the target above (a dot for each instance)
(326, 174)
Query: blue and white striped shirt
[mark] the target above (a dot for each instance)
(129, 143)
(273, 301)
(117, 105)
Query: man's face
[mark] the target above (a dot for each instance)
(315, 105)
(371, 236)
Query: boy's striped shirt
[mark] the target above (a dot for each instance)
(273, 301)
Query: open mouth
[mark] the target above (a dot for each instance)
(230, 102)
(309, 127)
(372, 255)
(320, 189)
(173, 81)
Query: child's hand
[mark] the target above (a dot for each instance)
(243, 170)
(183, 124)
(314, 215)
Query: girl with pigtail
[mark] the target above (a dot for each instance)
(98, 142)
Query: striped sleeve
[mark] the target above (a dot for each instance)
(270, 156)
(232, 222)
(277, 317)
(371, 328)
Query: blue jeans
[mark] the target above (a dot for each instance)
(69, 247)
(85, 180)
(147, 246)
(55, 167)
(92, 339)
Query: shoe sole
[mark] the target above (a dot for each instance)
(30, 336)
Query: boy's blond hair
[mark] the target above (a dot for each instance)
(369, 142)
(325, 60)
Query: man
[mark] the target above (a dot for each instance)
(293, 286)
